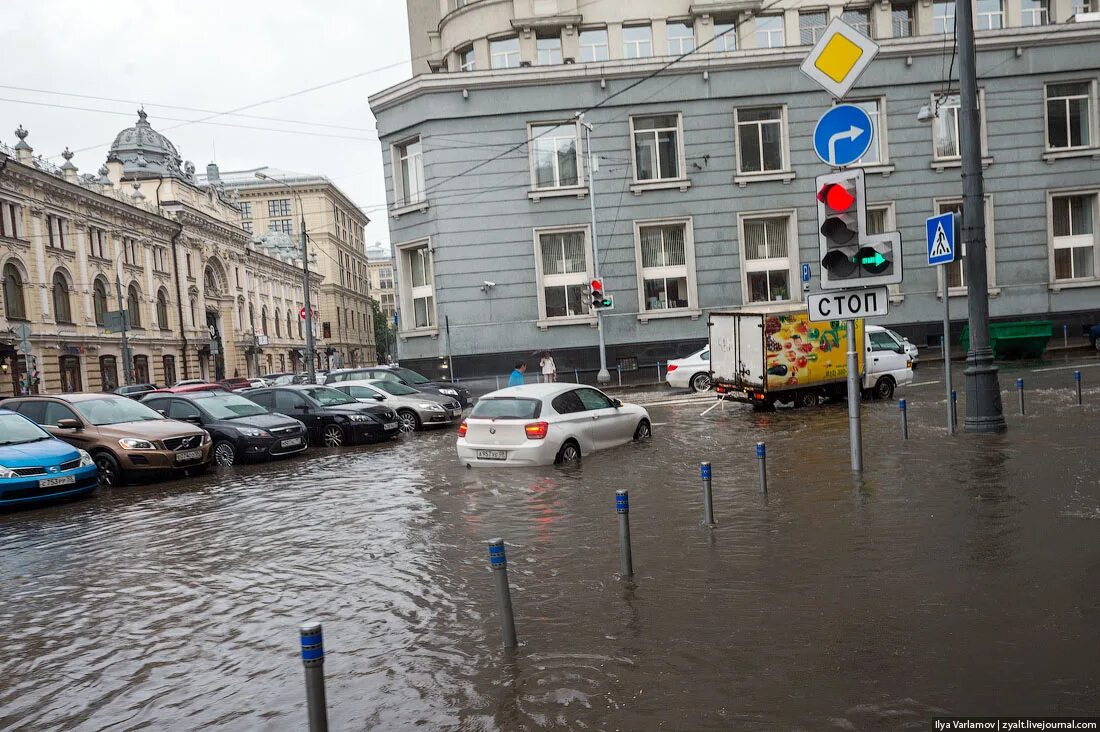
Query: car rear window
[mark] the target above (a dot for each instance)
(507, 408)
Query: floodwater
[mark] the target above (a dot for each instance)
(959, 576)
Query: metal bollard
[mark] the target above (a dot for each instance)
(1077, 379)
(708, 498)
(761, 458)
(659, 379)
(498, 381)
(622, 508)
(620, 370)
(498, 562)
(1020, 389)
(904, 419)
(576, 376)
(313, 658)
(954, 408)
(1065, 336)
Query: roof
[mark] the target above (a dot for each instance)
(534, 391)
(74, 397)
(247, 178)
(145, 153)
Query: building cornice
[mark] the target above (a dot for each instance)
(193, 218)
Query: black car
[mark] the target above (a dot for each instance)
(135, 391)
(332, 417)
(241, 429)
(405, 376)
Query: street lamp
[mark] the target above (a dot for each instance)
(311, 348)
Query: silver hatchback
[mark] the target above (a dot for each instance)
(415, 409)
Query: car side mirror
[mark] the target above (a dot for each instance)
(379, 398)
(162, 412)
(193, 419)
(301, 407)
(616, 403)
(70, 424)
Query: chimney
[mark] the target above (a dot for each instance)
(212, 174)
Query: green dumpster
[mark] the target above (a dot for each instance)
(1019, 339)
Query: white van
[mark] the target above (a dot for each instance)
(888, 362)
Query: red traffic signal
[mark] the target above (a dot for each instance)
(597, 285)
(836, 197)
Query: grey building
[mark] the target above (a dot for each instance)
(704, 188)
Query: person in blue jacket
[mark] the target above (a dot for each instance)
(516, 379)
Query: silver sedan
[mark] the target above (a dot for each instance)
(415, 409)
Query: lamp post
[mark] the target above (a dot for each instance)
(604, 376)
(311, 347)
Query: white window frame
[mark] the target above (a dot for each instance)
(637, 45)
(769, 33)
(606, 46)
(680, 180)
(947, 20)
(910, 11)
(12, 213)
(889, 223)
(726, 42)
(686, 270)
(506, 56)
(949, 161)
(398, 154)
(466, 58)
(990, 249)
(408, 293)
(546, 56)
(983, 19)
(784, 172)
(1094, 137)
(863, 10)
(882, 135)
(1040, 14)
(1082, 6)
(1074, 241)
(767, 265)
(816, 31)
(536, 191)
(542, 280)
(679, 45)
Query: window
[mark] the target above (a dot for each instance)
(592, 399)
(277, 207)
(767, 261)
(555, 155)
(284, 225)
(943, 16)
(409, 172)
(160, 259)
(278, 326)
(11, 220)
(193, 305)
(466, 58)
(246, 209)
(1083, 6)
(594, 45)
(288, 322)
(858, 18)
(108, 373)
(637, 41)
(187, 259)
(504, 53)
(901, 20)
(130, 251)
(878, 151)
(548, 51)
(169, 369)
(133, 306)
(56, 227)
(421, 293)
(61, 308)
(162, 310)
(657, 147)
(956, 271)
(988, 15)
(1034, 12)
(664, 252)
(945, 127)
(247, 226)
(811, 25)
(1069, 118)
(263, 320)
(725, 37)
(1074, 242)
(681, 38)
(97, 242)
(760, 139)
(13, 293)
(99, 301)
(769, 31)
(563, 270)
(876, 219)
(385, 278)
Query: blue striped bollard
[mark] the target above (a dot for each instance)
(1077, 380)
(498, 562)
(762, 460)
(313, 659)
(904, 419)
(1020, 389)
(622, 508)
(708, 498)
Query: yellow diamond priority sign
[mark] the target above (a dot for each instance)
(839, 57)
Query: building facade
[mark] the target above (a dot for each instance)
(704, 189)
(382, 286)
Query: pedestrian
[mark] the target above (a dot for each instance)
(516, 379)
(549, 370)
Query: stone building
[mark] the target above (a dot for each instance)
(380, 264)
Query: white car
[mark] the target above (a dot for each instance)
(690, 372)
(910, 349)
(543, 424)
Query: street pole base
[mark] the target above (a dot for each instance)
(604, 377)
(984, 411)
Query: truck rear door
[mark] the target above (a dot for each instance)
(737, 349)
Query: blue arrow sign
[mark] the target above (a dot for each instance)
(940, 231)
(843, 135)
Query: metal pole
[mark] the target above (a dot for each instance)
(762, 462)
(311, 346)
(1020, 389)
(945, 346)
(1065, 336)
(127, 358)
(499, 564)
(313, 658)
(855, 429)
(659, 379)
(954, 408)
(604, 376)
(619, 369)
(708, 498)
(622, 508)
(984, 412)
(498, 381)
(904, 419)
(1077, 378)
(576, 376)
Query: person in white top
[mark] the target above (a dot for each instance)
(549, 370)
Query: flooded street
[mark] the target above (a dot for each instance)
(959, 576)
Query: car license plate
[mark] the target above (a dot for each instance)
(182, 457)
(291, 442)
(62, 480)
(492, 454)
(390, 425)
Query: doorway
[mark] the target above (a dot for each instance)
(217, 352)
(70, 374)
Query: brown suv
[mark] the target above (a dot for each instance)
(123, 436)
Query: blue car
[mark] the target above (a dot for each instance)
(1094, 336)
(36, 466)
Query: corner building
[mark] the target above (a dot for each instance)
(704, 189)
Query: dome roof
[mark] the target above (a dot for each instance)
(144, 152)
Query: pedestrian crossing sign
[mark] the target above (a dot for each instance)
(940, 231)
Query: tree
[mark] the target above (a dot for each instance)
(384, 336)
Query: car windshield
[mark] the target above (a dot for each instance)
(395, 387)
(506, 408)
(410, 376)
(15, 430)
(284, 380)
(327, 397)
(229, 406)
(114, 411)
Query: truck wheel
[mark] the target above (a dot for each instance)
(884, 388)
(805, 399)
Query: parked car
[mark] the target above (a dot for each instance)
(541, 424)
(36, 466)
(910, 350)
(415, 409)
(283, 378)
(135, 391)
(318, 377)
(258, 383)
(235, 382)
(242, 430)
(332, 418)
(403, 375)
(1094, 336)
(188, 389)
(125, 438)
(189, 382)
(691, 372)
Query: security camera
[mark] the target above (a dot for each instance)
(488, 284)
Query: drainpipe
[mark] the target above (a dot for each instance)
(179, 300)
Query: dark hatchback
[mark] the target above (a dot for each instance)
(135, 391)
(403, 375)
(241, 429)
(332, 417)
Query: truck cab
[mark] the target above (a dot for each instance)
(888, 364)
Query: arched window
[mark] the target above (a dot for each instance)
(240, 315)
(13, 293)
(99, 301)
(288, 324)
(278, 326)
(162, 310)
(251, 318)
(133, 305)
(263, 320)
(193, 302)
(61, 309)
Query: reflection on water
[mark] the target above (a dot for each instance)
(956, 574)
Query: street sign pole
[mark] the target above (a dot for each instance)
(855, 427)
(604, 376)
(947, 351)
(127, 359)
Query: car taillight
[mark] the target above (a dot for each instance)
(672, 367)
(536, 430)
(462, 429)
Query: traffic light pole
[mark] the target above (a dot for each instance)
(604, 376)
(983, 392)
(855, 426)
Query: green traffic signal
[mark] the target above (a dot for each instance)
(875, 260)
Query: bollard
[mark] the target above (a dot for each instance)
(1065, 337)
(498, 381)
(659, 379)
(1020, 389)
(1077, 378)
(622, 508)
(576, 376)
(761, 458)
(498, 562)
(904, 419)
(313, 659)
(954, 408)
(708, 497)
(620, 370)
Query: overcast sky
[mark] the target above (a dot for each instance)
(213, 56)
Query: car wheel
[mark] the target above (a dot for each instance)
(643, 431)
(700, 382)
(569, 454)
(333, 436)
(408, 421)
(806, 399)
(224, 453)
(110, 474)
(884, 388)
(1096, 344)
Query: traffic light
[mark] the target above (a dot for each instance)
(850, 257)
(599, 299)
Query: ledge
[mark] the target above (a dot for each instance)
(544, 323)
(15, 240)
(640, 186)
(941, 165)
(58, 250)
(1074, 284)
(963, 292)
(648, 315)
(883, 169)
(786, 176)
(419, 333)
(1084, 152)
(535, 194)
(409, 208)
